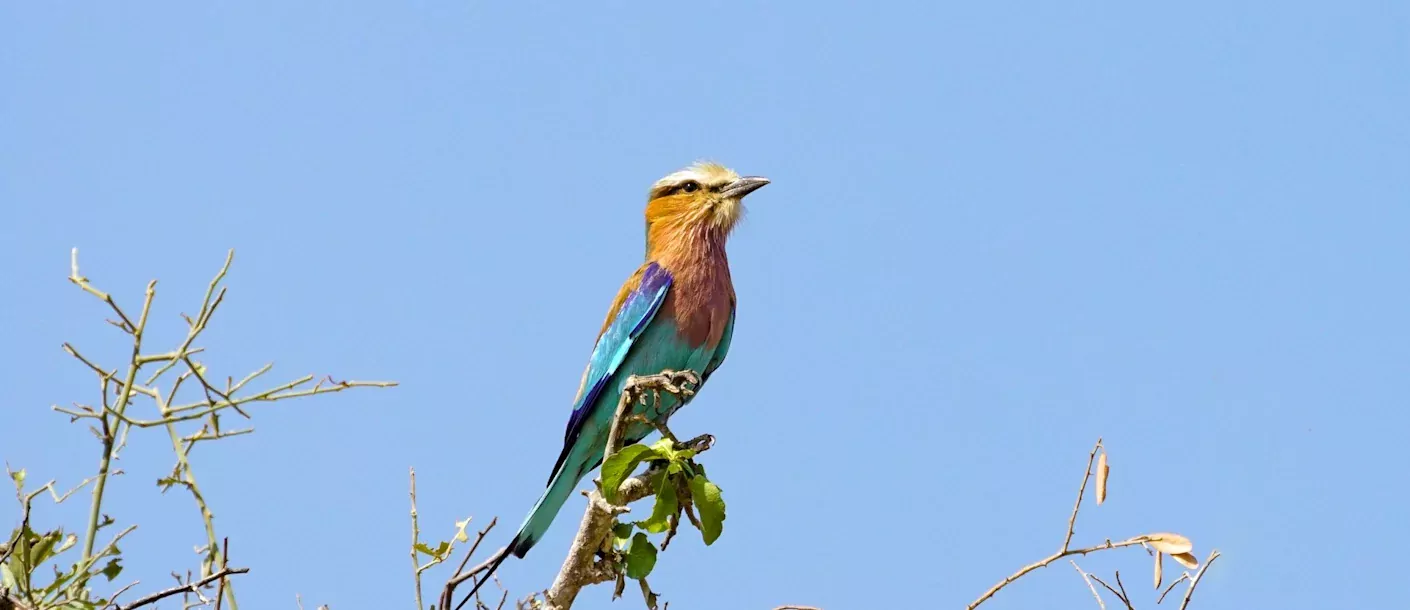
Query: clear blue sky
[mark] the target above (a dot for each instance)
(995, 232)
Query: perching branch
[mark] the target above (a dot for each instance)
(579, 568)
(591, 558)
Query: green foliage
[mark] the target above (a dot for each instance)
(134, 384)
(620, 465)
(666, 507)
(711, 506)
(678, 485)
(641, 557)
(28, 551)
(621, 535)
(440, 553)
(113, 568)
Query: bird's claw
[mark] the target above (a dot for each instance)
(699, 444)
(673, 382)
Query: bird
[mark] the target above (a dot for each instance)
(676, 312)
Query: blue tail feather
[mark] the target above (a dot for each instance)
(537, 522)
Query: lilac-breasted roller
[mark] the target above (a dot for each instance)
(675, 313)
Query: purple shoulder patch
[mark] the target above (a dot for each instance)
(653, 280)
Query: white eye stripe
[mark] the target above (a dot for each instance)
(703, 174)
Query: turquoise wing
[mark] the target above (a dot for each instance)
(612, 347)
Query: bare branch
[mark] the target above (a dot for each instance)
(1183, 577)
(1121, 594)
(82, 282)
(1066, 550)
(1194, 582)
(1081, 491)
(461, 575)
(191, 587)
(415, 540)
(1087, 579)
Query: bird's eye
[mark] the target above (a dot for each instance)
(690, 187)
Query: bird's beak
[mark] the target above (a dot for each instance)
(743, 186)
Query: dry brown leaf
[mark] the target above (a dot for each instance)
(1158, 569)
(1170, 544)
(1102, 471)
(1186, 559)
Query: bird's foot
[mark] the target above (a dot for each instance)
(674, 382)
(699, 444)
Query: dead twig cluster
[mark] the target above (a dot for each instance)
(1159, 545)
(113, 417)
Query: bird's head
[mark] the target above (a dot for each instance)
(704, 196)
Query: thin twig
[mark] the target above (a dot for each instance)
(1090, 587)
(1194, 582)
(199, 324)
(415, 539)
(1081, 491)
(1125, 597)
(125, 392)
(220, 589)
(112, 600)
(1183, 577)
(190, 587)
(1066, 550)
(461, 575)
(1108, 587)
(82, 282)
(1121, 594)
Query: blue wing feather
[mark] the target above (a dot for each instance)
(614, 344)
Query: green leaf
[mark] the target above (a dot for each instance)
(665, 507)
(664, 447)
(620, 466)
(112, 569)
(641, 557)
(711, 506)
(19, 556)
(43, 548)
(439, 552)
(18, 477)
(61, 579)
(68, 544)
(7, 578)
(622, 530)
(621, 535)
(691, 469)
